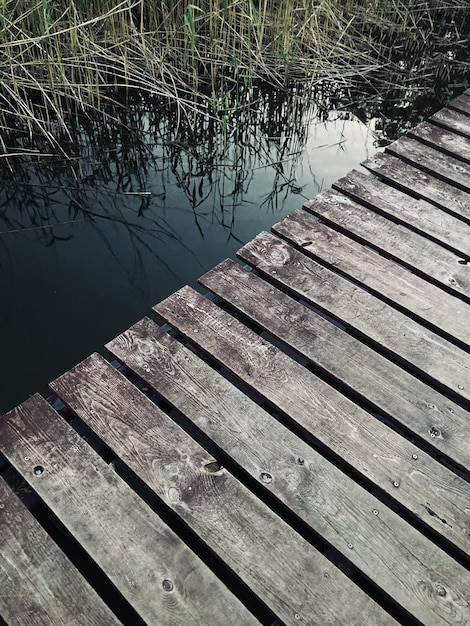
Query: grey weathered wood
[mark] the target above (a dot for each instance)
(360, 310)
(38, 584)
(443, 140)
(379, 275)
(274, 561)
(390, 389)
(416, 214)
(357, 437)
(321, 495)
(432, 161)
(136, 550)
(461, 103)
(418, 253)
(453, 120)
(420, 184)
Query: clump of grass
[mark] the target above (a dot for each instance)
(62, 59)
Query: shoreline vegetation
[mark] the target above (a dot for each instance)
(61, 61)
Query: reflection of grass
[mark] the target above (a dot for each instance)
(123, 172)
(60, 59)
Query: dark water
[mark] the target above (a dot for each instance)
(89, 243)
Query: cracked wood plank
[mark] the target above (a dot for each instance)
(461, 103)
(402, 338)
(443, 140)
(355, 436)
(426, 258)
(39, 585)
(332, 504)
(431, 161)
(456, 121)
(274, 561)
(390, 389)
(383, 277)
(132, 545)
(420, 184)
(416, 214)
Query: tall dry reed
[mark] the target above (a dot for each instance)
(60, 59)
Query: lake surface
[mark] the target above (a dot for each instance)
(88, 244)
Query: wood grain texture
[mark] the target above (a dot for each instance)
(417, 183)
(321, 495)
(443, 140)
(38, 584)
(432, 161)
(416, 214)
(389, 388)
(424, 257)
(461, 103)
(357, 437)
(381, 276)
(456, 121)
(274, 561)
(131, 544)
(360, 310)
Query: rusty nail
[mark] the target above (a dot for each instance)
(396, 483)
(38, 470)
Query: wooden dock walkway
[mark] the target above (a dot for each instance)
(292, 447)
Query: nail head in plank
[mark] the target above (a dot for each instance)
(353, 435)
(274, 561)
(417, 183)
(39, 585)
(131, 544)
(416, 214)
(360, 310)
(380, 275)
(391, 390)
(314, 489)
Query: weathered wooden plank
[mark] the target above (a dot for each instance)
(461, 103)
(322, 496)
(443, 140)
(427, 258)
(390, 389)
(419, 184)
(414, 213)
(382, 277)
(356, 436)
(388, 328)
(432, 161)
(273, 560)
(132, 545)
(38, 584)
(455, 121)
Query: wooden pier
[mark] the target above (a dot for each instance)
(291, 447)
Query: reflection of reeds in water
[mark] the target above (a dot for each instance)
(126, 171)
(59, 59)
